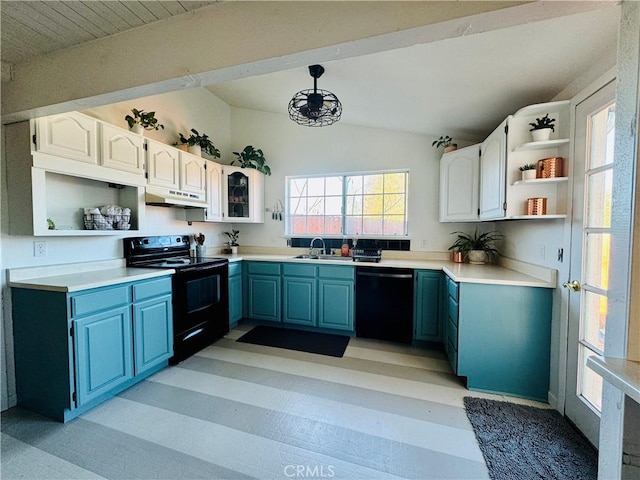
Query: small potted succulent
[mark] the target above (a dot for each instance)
(141, 121)
(478, 248)
(252, 158)
(528, 171)
(446, 142)
(198, 144)
(233, 241)
(542, 128)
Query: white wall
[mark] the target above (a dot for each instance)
(291, 149)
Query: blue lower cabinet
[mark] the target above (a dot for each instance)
(427, 294)
(264, 297)
(503, 337)
(152, 333)
(335, 304)
(75, 350)
(299, 301)
(104, 358)
(235, 300)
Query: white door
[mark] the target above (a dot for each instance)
(590, 242)
(214, 192)
(192, 174)
(459, 182)
(163, 165)
(70, 135)
(122, 150)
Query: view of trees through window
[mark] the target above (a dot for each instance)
(354, 204)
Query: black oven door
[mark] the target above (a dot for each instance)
(200, 308)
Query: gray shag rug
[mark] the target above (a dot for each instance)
(523, 442)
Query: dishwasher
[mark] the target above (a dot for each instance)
(384, 303)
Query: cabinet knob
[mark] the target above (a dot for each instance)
(573, 286)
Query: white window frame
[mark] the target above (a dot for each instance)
(288, 178)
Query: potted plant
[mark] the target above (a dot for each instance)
(198, 143)
(233, 241)
(528, 171)
(446, 142)
(252, 158)
(478, 248)
(200, 250)
(141, 121)
(542, 128)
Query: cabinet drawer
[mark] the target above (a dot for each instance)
(101, 299)
(453, 311)
(235, 268)
(452, 287)
(264, 268)
(328, 271)
(452, 334)
(298, 270)
(152, 288)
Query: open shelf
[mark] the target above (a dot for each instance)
(538, 217)
(541, 180)
(541, 145)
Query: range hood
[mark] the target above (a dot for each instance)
(169, 197)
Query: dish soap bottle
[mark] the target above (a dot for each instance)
(344, 250)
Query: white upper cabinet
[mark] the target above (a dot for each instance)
(192, 174)
(163, 165)
(213, 211)
(121, 149)
(242, 195)
(70, 135)
(493, 160)
(459, 184)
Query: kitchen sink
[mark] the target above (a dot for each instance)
(324, 257)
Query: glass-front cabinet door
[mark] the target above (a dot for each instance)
(238, 195)
(242, 195)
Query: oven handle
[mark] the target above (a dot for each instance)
(193, 334)
(202, 268)
(384, 275)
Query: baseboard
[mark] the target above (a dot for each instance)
(553, 401)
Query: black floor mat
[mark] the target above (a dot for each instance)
(303, 341)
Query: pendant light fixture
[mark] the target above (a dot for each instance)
(315, 108)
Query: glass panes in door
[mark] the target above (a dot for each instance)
(596, 242)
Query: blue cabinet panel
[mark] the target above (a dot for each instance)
(235, 300)
(264, 297)
(335, 304)
(298, 270)
(299, 303)
(427, 306)
(235, 268)
(151, 288)
(103, 352)
(99, 299)
(263, 268)
(336, 271)
(153, 333)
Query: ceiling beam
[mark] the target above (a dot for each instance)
(227, 41)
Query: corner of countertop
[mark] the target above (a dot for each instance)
(546, 274)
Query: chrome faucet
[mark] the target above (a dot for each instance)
(311, 249)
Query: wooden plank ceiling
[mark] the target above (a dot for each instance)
(33, 28)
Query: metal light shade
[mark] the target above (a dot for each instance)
(317, 107)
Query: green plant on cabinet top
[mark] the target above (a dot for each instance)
(146, 120)
(202, 141)
(252, 158)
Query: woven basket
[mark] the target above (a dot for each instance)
(550, 167)
(96, 221)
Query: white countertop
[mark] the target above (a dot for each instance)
(622, 374)
(80, 276)
(458, 272)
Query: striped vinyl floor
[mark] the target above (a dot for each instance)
(237, 410)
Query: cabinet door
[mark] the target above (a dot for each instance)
(264, 297)
(427, 295)
(152, 333)
(192, 174)
(299, 305)
(121, 149)
(70, 135)
(242, 195)
(214, 187)
(235, 300)
(103, 352)
(163, 165)
(335, 304)
(493, 162)
(459, 185)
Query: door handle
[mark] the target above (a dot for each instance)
(573, 286)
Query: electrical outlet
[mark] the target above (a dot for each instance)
(40, 249)
(541, 251)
